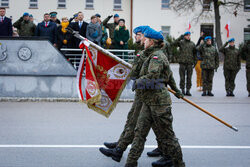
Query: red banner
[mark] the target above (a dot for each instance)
(104, 81)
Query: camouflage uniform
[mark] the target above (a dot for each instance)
(231, 65)
(245, 53)
(156, 110)
(187, 60)
(111, 27)
(25, 28)
(210, 62)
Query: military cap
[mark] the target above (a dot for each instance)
(187, 33)
(26, 14)
(31, 15)
(151, 33)
(116, 15)
(53, 14)
(231, 40)
(98, 15)
(141, 29)
(208, 37)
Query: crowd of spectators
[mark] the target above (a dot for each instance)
(55, 30)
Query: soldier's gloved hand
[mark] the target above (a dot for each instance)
(181, 37)
(178, 94)
(110, 16)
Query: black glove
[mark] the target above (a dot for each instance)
(110, 16)
(178, 94)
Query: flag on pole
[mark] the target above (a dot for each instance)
(189, 26)
(227, 27)
(105, 78)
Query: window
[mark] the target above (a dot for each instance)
(33, 4)
(206, 5)
(165, 31)
(246, 34)
(165, 4)
(89, 4)
(61, 4)
(247, 5)
(4, 3)
(117, 4)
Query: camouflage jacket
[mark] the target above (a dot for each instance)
(187, 51)
(231, 57)
(25, 28)
(167, 50)
(154, 73)
(110, 26)
(209, 56)
(245, 53)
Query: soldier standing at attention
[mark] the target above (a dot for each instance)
(245, 53)
(210, 62)
(111, 27)
(231, 66)
(187, 61)
(156, 109)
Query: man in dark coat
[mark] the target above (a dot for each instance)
(47, 29)
(81, 27)
(5, 24)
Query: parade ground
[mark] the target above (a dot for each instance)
(68, 134)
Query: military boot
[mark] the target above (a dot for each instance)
(248, 94)
(110, 145)
(232, 94)
(204, 93)
(228, 93)
(163, 162)
(131, 165)
(154, 153)
(209, 93)
(114, 153)
(183, 91)
(188, 93)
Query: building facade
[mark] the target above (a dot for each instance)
(156, 13)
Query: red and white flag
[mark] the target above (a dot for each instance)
(227, 27)
(105, 78)
(189, 26)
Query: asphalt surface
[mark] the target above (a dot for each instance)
(58, 134)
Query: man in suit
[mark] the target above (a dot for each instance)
(80, 26)
(5, 24)
(47, 29)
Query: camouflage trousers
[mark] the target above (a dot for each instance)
(230, 76)
(207, 79)
(128, 133)
(160, 117)
(186, 72)
(248, 79)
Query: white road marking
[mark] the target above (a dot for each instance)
(97, 146)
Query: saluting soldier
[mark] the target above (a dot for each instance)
(231, 65)
(156, 109)
(245, 53)
(210, 63)
(187, 60)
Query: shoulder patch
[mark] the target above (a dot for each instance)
(155, 57)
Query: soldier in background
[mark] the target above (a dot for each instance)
(24, 26)
(187, 60)
(231, 66)
(53, 18)
(111, 27)
(245, 53)
(210, 62)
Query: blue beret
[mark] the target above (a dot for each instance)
(151, 33)
(75, 15)
(187, 33)
(141, 29)
(31, 15)
(231, 40)
(26, 14)
(116, 15)
(208, 37)
(98, 15)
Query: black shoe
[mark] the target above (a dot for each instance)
(209, 93)
(115, 153)
(232, 94)
(163, 162)
(110, 145)
(204, 93)
(188, 93)
(183, 91)
(228, 93)
(155, 153)
(131, 165)
(249, 94)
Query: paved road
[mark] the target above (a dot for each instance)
(48, 134)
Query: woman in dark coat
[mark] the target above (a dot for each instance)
(121, 35)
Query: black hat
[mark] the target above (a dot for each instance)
(121, 20)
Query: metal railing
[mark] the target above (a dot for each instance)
(74, 55)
